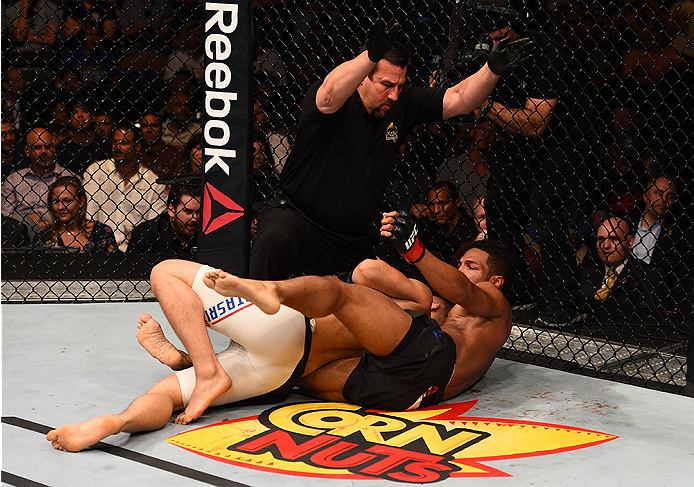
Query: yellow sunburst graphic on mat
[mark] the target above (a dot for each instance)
(336, 440)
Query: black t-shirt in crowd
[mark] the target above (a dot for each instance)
(551, 74)
(158, 236)
(340, 163)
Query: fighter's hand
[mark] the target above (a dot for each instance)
(379, 40)
(506, 55)
(387, 223)
(401, 230)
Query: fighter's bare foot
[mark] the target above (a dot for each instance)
(206, 390)
(261, 293)
(152, 339)
(78, 436)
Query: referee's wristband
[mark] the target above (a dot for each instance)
(416, 253)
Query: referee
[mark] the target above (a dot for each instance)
(350, 130)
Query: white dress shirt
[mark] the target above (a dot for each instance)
(119, 205)
(645, 240)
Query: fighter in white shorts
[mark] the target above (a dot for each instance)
(260, 359)
(267, 354)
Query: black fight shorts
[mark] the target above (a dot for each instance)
(414, 375)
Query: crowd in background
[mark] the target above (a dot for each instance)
(101, 115)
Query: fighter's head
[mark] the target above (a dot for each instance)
(487, 260)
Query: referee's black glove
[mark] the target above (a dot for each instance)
(379, 40)
(506, 55)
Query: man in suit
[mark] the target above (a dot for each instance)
(661, 242)
(618, 284)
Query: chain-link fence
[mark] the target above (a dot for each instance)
(579, 161)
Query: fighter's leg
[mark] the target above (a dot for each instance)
(148, 412)
(152, 339)
(375, 320)
(330, 341)
(328, 381)
(408, 293)
(172, 282)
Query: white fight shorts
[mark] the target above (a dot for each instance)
(264, 351)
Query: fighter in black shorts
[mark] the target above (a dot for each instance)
(408, 361)
(413, 375)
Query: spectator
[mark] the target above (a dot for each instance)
(185, 11)
(14, 233)
(535, 109)
(656, 221)
(448, 227)
(25, 105)
(14, 105)
(69, 84)
(13, 155)
(60, 121)
(79, 13)
(174, 230)
(181, 121)
(158, 155)
(281, 137)
(480, 217)
(621, 187)
(69, 226)
(24, 191)
(663, 241)
(190, 56)
(122, 193)
(190, 158)
(104, 124)
(183, 80)
(266, 58)
(33, 30)
(265, 181)
(96, 62)
(145, 30)
(626, 118)
(415, 171)
(83, 147)
(683, 14)
(469, 169)
(616, 283)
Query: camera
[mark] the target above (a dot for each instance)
(469, 43)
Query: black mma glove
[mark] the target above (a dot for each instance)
(379, 40)
(404, 237)
(506, 55)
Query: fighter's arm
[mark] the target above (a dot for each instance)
(482, 299)
(531, 120)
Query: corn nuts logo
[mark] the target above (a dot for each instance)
(336, 440)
